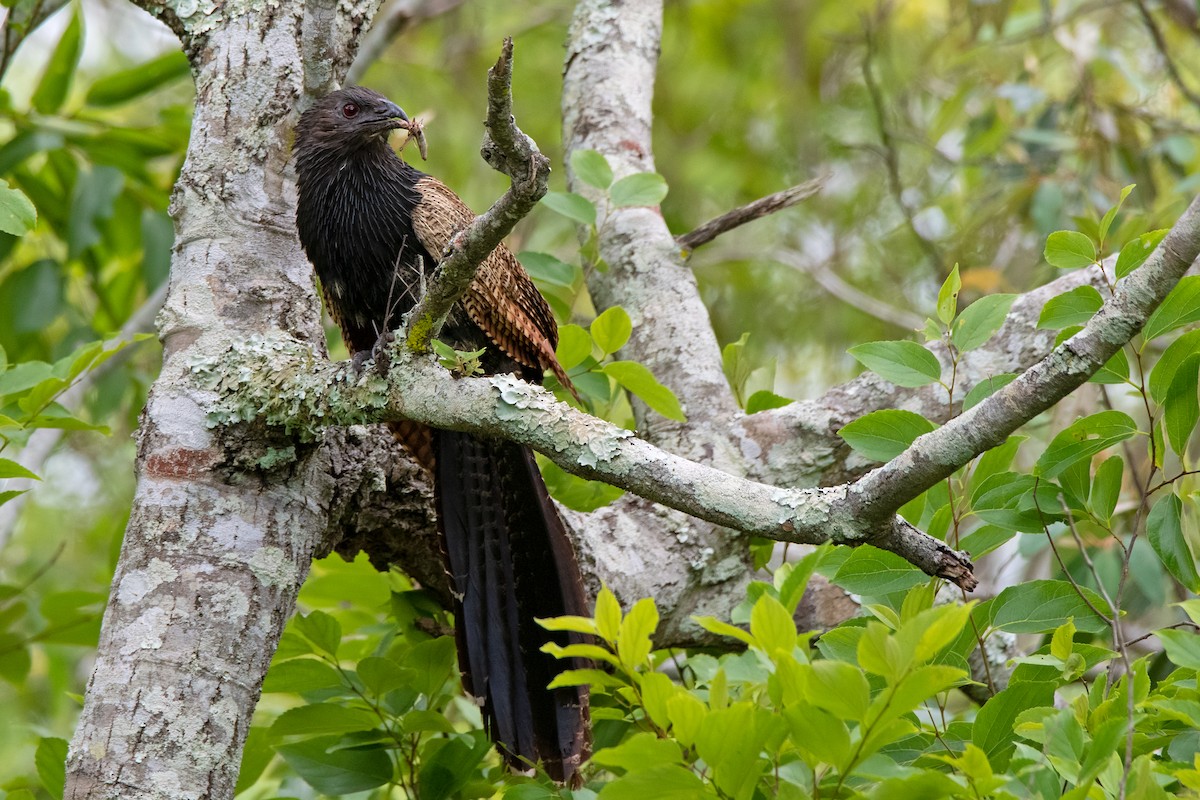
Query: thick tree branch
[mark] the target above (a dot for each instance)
(509, 150)
(285, 383)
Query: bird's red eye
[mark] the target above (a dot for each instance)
(350, 111)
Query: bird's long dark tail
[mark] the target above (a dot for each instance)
(510, 562)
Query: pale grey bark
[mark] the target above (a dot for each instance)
(220, 536)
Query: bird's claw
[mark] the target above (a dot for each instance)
(380, 352)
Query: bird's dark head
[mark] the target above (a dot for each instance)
(348, 119)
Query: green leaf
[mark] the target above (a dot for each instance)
(1106, 487)
(52, 90)
(1179, 308)
(1070, 250)
(573, 491)
(1115, 370)
(1083, 439)
(772, 626)
(318, 719)
(1183, 647)
(1163, 373)
(978, 321)
(722, 628)
(11, 469)
(136, 81)
(664, 782)
(572, 206)
(764, 400)
(256, 755)
(633, 641)
(1137, 250)
(1071, 308)
(382, 675)
(592, 168)
(574, 345)
(610, 331)
(1110, 215)
(51, 762)
(433, 663)
(947, 302)
(986, 388)
(871, 571)
(640, 189)
(1165, 530)
(337, 772)
(569, 622)
(993, 728)
(17, 214)
(640, 381)
(608, 615)
(447, 765)
(321, 629)
(903, 363)
(300, 675)
(883, 435)
(546, 269)
(1181, 410)
(819, 733)
(639, 752)
(1041, 606)
(92, 204)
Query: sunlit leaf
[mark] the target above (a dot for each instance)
(1083, 439)
(640, 381)
(17, 214)
(639, 189)
(883, 435)
(610, 331)
(1070, 250)
(572, 206)
(592, 168)
(978, 321)
(947, 302)
(1179, 308)
(1071, 308)
(901, 362)
(1137, 250)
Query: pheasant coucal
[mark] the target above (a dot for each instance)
(371, 223)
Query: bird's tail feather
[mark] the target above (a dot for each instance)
(510, 561)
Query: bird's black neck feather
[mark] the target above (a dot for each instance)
(354, 218)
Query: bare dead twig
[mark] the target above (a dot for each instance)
(750, 212)
(509, 150)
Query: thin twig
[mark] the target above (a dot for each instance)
(393, 20)
(1160, 43)
(509, 150)
(891, 156)
(750, 212)
(833, 283)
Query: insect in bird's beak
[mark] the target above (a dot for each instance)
(416, 131)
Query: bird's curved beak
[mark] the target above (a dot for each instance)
(394, 112)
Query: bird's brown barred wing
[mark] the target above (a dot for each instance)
(502, 300)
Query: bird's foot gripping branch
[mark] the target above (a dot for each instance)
(285, 383)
